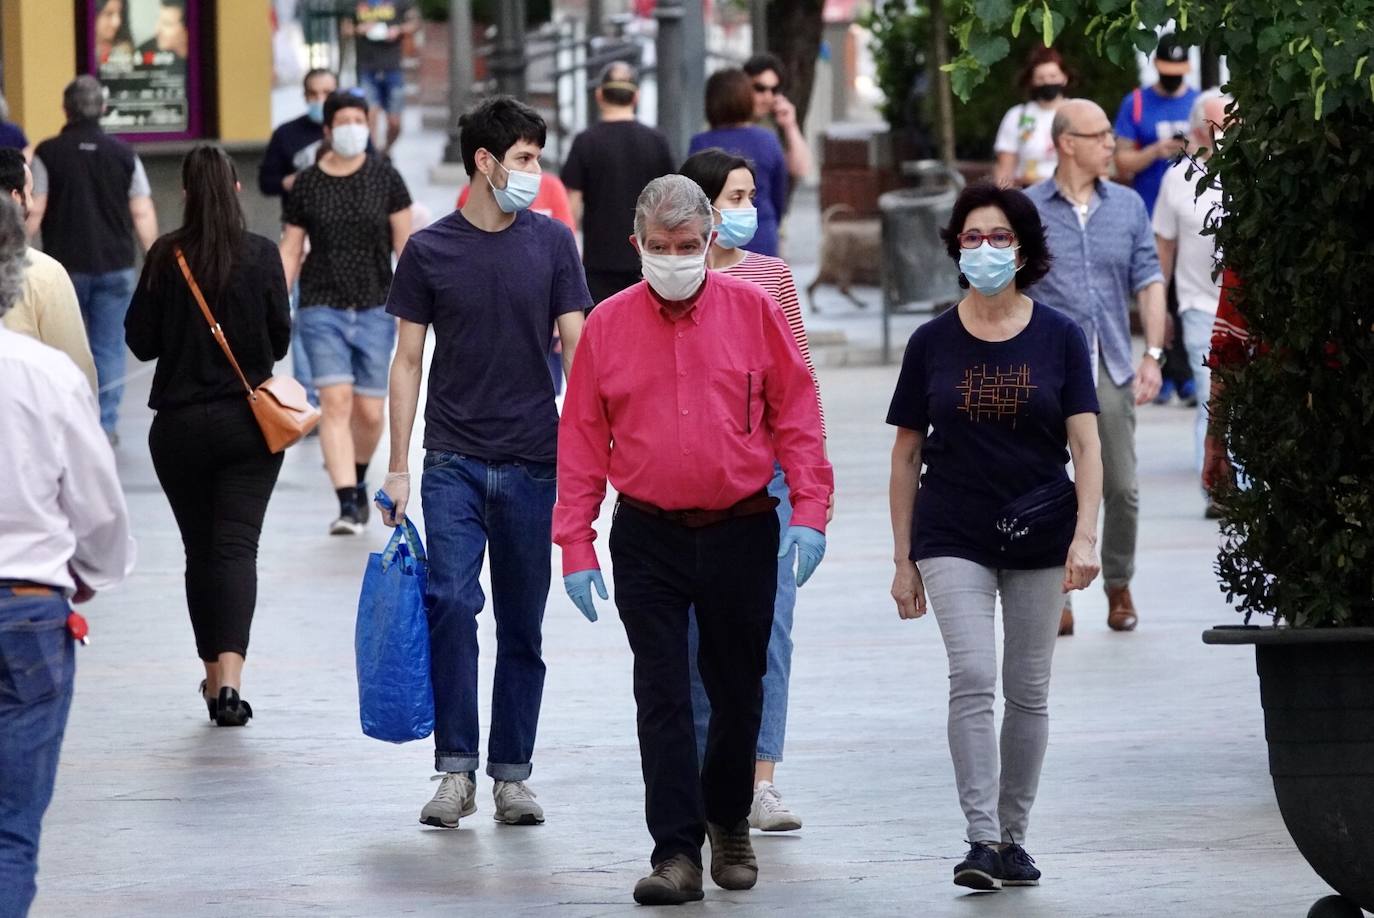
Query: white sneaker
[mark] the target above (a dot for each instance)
(347, 525)
(515, 804)
(769, 813)
(455, 798)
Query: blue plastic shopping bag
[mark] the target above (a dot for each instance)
(395, 694)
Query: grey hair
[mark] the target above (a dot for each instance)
(1197, 116)
(14, 246)
(83, 99)
(1061, 124)
(669, 202)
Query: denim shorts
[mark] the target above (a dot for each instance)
(348, 346)
(385, 89)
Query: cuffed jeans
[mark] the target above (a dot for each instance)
(37, 665)
(729, 572)
(470, 505)
(997, 780)
(1120, 494)
(773, 727)
(1197, 339)
(104, 300)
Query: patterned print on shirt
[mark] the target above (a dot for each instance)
(996, 394)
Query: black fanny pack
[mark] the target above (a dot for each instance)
(1037, 522)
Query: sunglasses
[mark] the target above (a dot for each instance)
(764, 87)
(998, 239)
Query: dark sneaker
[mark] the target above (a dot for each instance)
(673, 882)
(733, 865)
(979, 868)
(364, 503)
(1018, 867)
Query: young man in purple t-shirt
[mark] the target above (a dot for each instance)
(493, 279)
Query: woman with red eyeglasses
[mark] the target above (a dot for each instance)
(993, 397)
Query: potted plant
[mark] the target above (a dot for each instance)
(1299, 412)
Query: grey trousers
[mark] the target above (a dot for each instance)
(1120, 495)
(997, 781)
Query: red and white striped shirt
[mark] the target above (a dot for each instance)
(775, 277)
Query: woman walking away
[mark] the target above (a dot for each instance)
(208, 451)
(992, 398)
(355, 209)
(1025, 149)
(728, 181)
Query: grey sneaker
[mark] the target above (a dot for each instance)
(515, 804)
(455, 798)
(769, 813)
(673, 882)
(733, 865)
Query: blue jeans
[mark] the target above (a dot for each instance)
(1197, 340)
(348, 346)
(471, 504)
(104, 300)
(773, 728)
(385, 89)
(37, 664)
(300, 357)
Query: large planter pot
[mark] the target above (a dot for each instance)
(1317, 689)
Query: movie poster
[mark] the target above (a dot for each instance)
(146, 54)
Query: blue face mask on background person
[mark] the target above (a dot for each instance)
(519, 193)
(988, 270)
(315, 111)
(736, 227)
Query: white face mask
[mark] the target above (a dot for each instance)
(673, 277)
(349, 140)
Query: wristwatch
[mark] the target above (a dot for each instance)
(1157, 353)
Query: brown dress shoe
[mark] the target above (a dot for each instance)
(1066, 622)
(733, 865)
(673, 882)
(1120, 610)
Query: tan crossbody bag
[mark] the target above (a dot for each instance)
(283, 412)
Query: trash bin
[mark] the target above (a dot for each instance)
(916, 269)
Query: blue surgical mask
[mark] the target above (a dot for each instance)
(988, 270)
(520, 191)
(315, 111)
(736, 227)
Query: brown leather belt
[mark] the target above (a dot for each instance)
(27, 588)
(752, 505)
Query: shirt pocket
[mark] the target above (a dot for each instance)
(737, 400)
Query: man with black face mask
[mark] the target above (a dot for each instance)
(1152, 123)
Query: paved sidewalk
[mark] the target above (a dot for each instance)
(1155, 799)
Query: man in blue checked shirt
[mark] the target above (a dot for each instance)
(1104, 256)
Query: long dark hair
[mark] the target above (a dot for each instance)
(213, 226)
(711, 168)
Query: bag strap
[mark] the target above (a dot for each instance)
(405, 542)
(1137, 106)
(215, 329)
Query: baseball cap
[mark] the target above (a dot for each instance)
(1171, 56)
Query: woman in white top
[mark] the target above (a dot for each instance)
(1025, 151)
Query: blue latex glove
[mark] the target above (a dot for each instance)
(810, 549)
(579, 587)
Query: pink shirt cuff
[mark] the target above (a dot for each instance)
(581, 556)
(807, 513)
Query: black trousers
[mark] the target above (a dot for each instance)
(214, 467)
(729, 571)
(606, 284)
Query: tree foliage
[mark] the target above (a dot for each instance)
(1297, 189)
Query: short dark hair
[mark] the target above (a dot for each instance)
(318, 72)
(711, 167)
(729, 98)
(496, 125)
(1025, 223)
(341, 99)
(11, 170)
(762, 63)
(619, 83)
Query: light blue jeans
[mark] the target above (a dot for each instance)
(773, 727)
(1197, 340)
(104, 300)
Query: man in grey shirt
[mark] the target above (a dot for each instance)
(1104, 256)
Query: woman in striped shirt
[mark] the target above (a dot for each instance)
(728, 181)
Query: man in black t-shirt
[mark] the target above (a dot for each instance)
(378, 27)
(608, 166)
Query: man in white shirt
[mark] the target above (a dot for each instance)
(64, 535)
(1189, 256)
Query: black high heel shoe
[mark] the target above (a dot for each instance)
(209, 700)
(232, 711)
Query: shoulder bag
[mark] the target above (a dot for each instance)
(280, 405)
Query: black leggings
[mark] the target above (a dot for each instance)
(218, 476)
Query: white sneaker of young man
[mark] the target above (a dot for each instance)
(769, 813)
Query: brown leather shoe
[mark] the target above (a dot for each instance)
(733, 865)
(1120, 610)
(1066, 622)
(673, 882)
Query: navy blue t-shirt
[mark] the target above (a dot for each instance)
(993, 413)
(492, 299)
